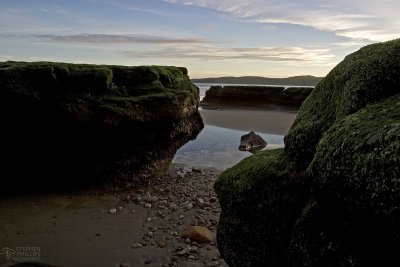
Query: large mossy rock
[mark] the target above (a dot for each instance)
(366, 76)
(65, 123)
(340, 168)
(254, 195)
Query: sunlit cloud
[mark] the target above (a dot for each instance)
(365, 19)
(211, 52)
(118, 39)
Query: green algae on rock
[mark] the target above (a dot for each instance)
(260, 198)
(356, 187)
(366, 76)
(95, 121)
(331, 196)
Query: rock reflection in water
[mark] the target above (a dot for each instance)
(218, 147)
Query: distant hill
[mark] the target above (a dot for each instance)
(306, 80)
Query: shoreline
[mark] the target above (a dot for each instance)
(145, 229)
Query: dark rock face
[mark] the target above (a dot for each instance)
(251, 142)
(67, 123)
(272, 97)
(331, 197)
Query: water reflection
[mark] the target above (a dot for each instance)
(218, 147)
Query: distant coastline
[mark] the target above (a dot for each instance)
(306, 80)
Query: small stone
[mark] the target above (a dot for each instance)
(133, 211)
(152, 199)
(136, 245)
(147, 205)
(189, 206)
(181, 216)
(148, 219)
(150, 234)
(120, 208)
(112, 211)
(212, 264)
(192, 257)
(188, 241)
(199, 234)
(148, 260)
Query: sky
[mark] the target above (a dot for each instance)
(211, 38)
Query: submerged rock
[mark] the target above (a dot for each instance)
(331, 196)
(67, 123)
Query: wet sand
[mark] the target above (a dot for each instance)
(260, 121)
(82, 230)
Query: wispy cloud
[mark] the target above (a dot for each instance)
(364, 19)
(118, 39)
(212, 52)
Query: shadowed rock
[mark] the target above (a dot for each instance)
(67, 124)
(248, 96)
(331, 196)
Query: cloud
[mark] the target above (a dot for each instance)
(212, 52)
(118, 39)
(364, 19)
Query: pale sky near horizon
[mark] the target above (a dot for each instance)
(211, 38)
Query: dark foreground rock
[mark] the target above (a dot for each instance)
(331, 197)
(66, 123)
(270, 97)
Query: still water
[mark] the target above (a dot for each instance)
(217, 145)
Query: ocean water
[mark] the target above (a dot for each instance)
(217, 146)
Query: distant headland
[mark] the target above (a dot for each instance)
(305, 80)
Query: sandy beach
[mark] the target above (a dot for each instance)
(121, 228)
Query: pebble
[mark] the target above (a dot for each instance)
(189, 206)
(136, 245)
(112, 211)
(212, 264)
(181, 216)
(147, 205)
(148, 260)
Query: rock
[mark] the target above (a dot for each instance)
(198, 234)
(147, 260)
(255, 96)
(136, 245)
(112, 211)
(97, 123)
(181, 216)
(251, 142)
(147, 205)
(189, 206)
(330, 197)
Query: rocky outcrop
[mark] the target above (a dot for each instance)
(66, 123)
(331, 196)
(270, 97)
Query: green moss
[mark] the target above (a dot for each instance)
(260, 198)
(366, 76)
(360, 155)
